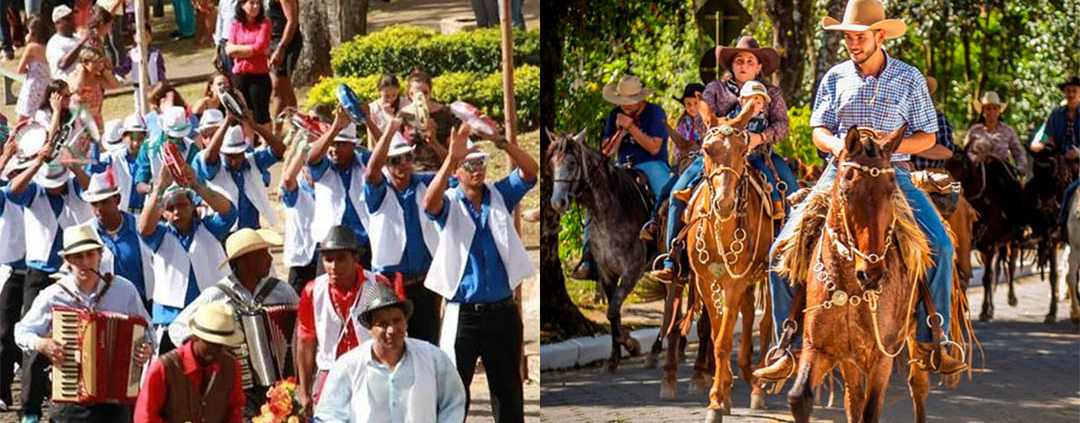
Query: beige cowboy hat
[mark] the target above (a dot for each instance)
(248, 240)
(625, 92)
(213, 322)
(767, 56)
(989, 97)
(79, 238)
(931, 84)
(865, 15)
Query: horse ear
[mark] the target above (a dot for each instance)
(580, 137)
(895, 138)
(551, 135)
(705, 112)
(852, 144)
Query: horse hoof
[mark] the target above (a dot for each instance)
(713, 416)
(650, 362)
(667, 391)
(634, 348)
(697, 388)
(1012, 300)
(1050, 320)
(725, 407)
(986, 316)
(610, 367)
(757, 401)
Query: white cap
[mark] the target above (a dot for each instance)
(399, 146)
(175, 122)
(114, 135)
(752, 88)
(235, 141)
(59, 12)
(211, 118)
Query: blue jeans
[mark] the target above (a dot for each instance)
(657, 172)
(757, 160)
(1069, 192)
(941, 252)
(689, 178)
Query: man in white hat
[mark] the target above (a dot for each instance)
(176, 128)
(477, 265)
(199, 381)
(209, 122)
(392, 377)
(123, 141)
(186, 246)
(81, 287)
(405, 237)
(125, 252)
(876, 91)
(61, 43)
(12, 271)
(240, 180)
(249, 287)
(338, 171)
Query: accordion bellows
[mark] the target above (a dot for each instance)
(99, 356)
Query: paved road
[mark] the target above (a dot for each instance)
(1031, 374)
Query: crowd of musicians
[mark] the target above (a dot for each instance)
(138, 266)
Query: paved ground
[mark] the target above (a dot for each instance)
(1031, 373)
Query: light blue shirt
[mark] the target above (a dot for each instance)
(122, 297)
(388, 390)
(883, 102)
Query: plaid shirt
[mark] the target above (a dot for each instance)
(882, 103)
(944, 137)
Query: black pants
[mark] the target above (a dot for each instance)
(301, 275)
(11, 299)
(424, 322)
(254, 399)
(494, 335)
(35, 382)
(256, 89)
(90, 413)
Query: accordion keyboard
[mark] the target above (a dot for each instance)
(65, 378)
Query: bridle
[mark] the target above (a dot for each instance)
(719, 169)
(845, 245)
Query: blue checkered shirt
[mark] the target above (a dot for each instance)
(944, 137)
(882, 103)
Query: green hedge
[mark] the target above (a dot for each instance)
(401, 48)
(483, 91)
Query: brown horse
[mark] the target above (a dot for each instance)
(728, 238)
(862, 288)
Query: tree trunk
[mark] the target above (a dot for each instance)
(327, 23)
(830, 42)
(790, 19)
(559, 315)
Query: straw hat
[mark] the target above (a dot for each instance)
(767, 56)
(931, 84)
(214, 323)
(626, 92)
(248, 240)
(79, 238)
(865, 15)
(989, 97)
(752, 88)
(102, 186)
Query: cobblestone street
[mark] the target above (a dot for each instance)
(1031, 373)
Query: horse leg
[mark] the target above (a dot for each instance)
(988, 284)
(720, 394)
(658, 343)
(613, 316)
(813, 366)
(1051, 316)
(765, 336)
(1071, 280)
(718, 319)
(699, 380)
(877, 382)
(746, 350)
(1013, 250)
(670, 330)
(854, 398)
(919, 386)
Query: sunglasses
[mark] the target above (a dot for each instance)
(474, 165)
(403, 158)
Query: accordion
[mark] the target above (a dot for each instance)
(265, 353)
(99, 356)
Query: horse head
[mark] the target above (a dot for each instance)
(724, 148)
(861, 220)
(570, 158)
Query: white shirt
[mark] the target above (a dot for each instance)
(283, 293)
(55, 50)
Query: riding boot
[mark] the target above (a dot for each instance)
(585, 269)
(780, 369)
(925, 356)
(650, 231)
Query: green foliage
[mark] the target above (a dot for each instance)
(799, 142)
(483, 91)
(400, 48)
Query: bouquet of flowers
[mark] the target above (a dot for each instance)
(282, 405)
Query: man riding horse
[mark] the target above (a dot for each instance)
(637, 131)
(877, 92)
(1063, 134)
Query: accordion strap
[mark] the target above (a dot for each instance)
(92, 307)
(259, 296)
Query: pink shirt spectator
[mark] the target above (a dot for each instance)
(257, 35)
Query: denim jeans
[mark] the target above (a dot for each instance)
(757, 160)
(689, 179)
(939, 275)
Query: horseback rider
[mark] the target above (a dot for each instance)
(990, 138)
(641, 142)
(1063, 134)
(875, 91)
(944, 147)
(749, 65)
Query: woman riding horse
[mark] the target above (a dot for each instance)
(990, 138)
(747, 62)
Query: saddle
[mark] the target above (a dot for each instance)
(642, 184)
(939, 185)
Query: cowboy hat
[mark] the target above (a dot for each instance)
(865, 15)
(52, 175)
(752, 88)
(399, 146)
(235, 141)
(248, 240)
(989, 97)
(348, 134)
(102, 186)
(626, 92)
(689, 91)
(214, 323)
(211, 118)
(175, 121)
(377, 296)
(114, 135)
(768, 57)
(931, 84)
(79, 238)
(340, 237)
(1075, 80)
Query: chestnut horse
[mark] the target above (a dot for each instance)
(728, 238)
(862, 286)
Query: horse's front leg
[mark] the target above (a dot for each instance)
(813, 366)
(1051, 316)
(989, 276)
(1072, 276)
(854, 397)
(703, 364)
(658, 343)
(877, 382)
(720, 394)
(669, 381)
(1011, 275)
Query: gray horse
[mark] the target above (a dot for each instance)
(611, 196)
